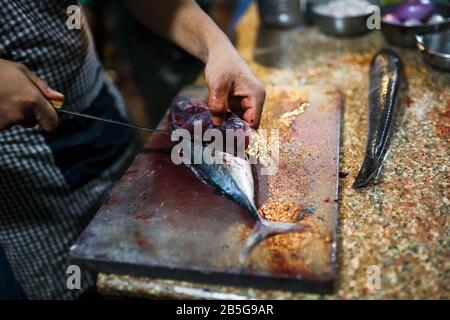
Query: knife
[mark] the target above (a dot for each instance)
(57, 104)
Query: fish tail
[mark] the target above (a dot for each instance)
(264, 229)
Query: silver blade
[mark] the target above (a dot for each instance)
(119, 123)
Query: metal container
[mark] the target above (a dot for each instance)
(404, 36)
(435, 48)
(284, 13)
(342, 26)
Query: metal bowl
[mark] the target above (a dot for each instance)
(404, 36)
(435, 48)
(342, 26)
(285, 13)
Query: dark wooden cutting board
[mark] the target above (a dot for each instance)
(160, 221)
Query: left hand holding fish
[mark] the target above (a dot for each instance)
(233, 86)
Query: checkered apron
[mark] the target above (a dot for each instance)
(41, 214)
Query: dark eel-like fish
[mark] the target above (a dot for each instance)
(384, 85)
(232, 179)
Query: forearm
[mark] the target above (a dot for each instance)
(183, 22)
(231, 83)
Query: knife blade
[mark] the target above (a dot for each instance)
(57, 104)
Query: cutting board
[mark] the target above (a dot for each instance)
(161, 221)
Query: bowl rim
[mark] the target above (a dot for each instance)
(424, 48)
(366, 15)
(314, 7)
(425, 25)
(392, 7)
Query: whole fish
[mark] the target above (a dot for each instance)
(385, 79)
(233, 176)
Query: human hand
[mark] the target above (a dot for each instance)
(232, 85)
(24, 98)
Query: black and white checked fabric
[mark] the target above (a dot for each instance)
(41, 216)
(35, 33)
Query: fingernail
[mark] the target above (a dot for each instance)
(55, 92)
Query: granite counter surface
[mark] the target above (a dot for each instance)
(398, 227)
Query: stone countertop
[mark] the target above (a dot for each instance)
(398, 227)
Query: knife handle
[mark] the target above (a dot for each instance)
(57, 104)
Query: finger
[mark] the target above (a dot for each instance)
(27, 122)
(4, 125)
(252, 103)
(45, 114)
(218, 99)
(48, 92)
(25, 116)
(235, 105)
(249, 115)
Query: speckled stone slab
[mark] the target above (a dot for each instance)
(400, 225)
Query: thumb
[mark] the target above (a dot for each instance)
(48, 92)
(218, 99)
